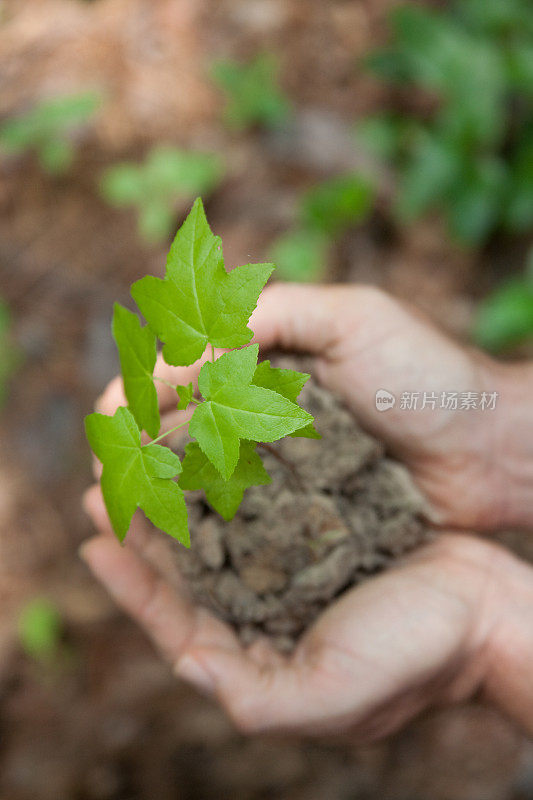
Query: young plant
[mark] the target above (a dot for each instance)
(167, 177)
(325, 212)
(197, 305)
(471, 157)
(48, 130)
(252, 92)
(505, 318)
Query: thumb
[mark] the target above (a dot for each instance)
(304, 318)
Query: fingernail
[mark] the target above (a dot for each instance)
(190, 670)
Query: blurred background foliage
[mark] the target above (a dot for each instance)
(156, 187)
(356, 141)
(49, 128)
(253, 96)
(472, 158)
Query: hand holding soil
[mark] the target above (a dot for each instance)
(450, 619)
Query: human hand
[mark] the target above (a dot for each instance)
(451, 619)
(475, 467)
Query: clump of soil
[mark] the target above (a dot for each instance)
(337, 511)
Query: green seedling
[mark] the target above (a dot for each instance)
(253, 96)
(505, 318)
(167, 177)
(472, 158)
(40, 630)
(197, 306)
(325, 212)
(48, 130)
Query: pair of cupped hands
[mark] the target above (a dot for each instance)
(452, 619)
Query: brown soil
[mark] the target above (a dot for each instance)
(337, 511)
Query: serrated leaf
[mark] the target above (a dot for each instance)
(185, 394)
(224, 495)
(198, 302)
(235, 410)
(137, 348)
(135, 476)
(289, 383)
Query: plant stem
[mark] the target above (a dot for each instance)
(162, 380)
(175, 428)
(286, 463)
(213, 353)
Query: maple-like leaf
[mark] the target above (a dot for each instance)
(224, 495)
(137, 349)
(134, 475)
(235, 409)
(198, 302)
(185, 394)
(289, 383)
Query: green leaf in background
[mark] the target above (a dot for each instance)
(9, 355)
(235, 410)
(289, 383)
(496, 17)
(529, 269)
(466, 150)
(167, 176)
(505, 318)
(169, 169)
(156, 220)
(137, 348)
(135, 476)
(252, 94)
(185, 394)
(332, 206)
(123, 184)
(224, 496)
(300, 255)
(477, 71)
(518, 204)
(198, 302)
(425, 42)
(430, 173)
(39, 629)
(47, 129)
(56, 156)
(520, 66)
(389, 64)
(381, 135)
(475, 202)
